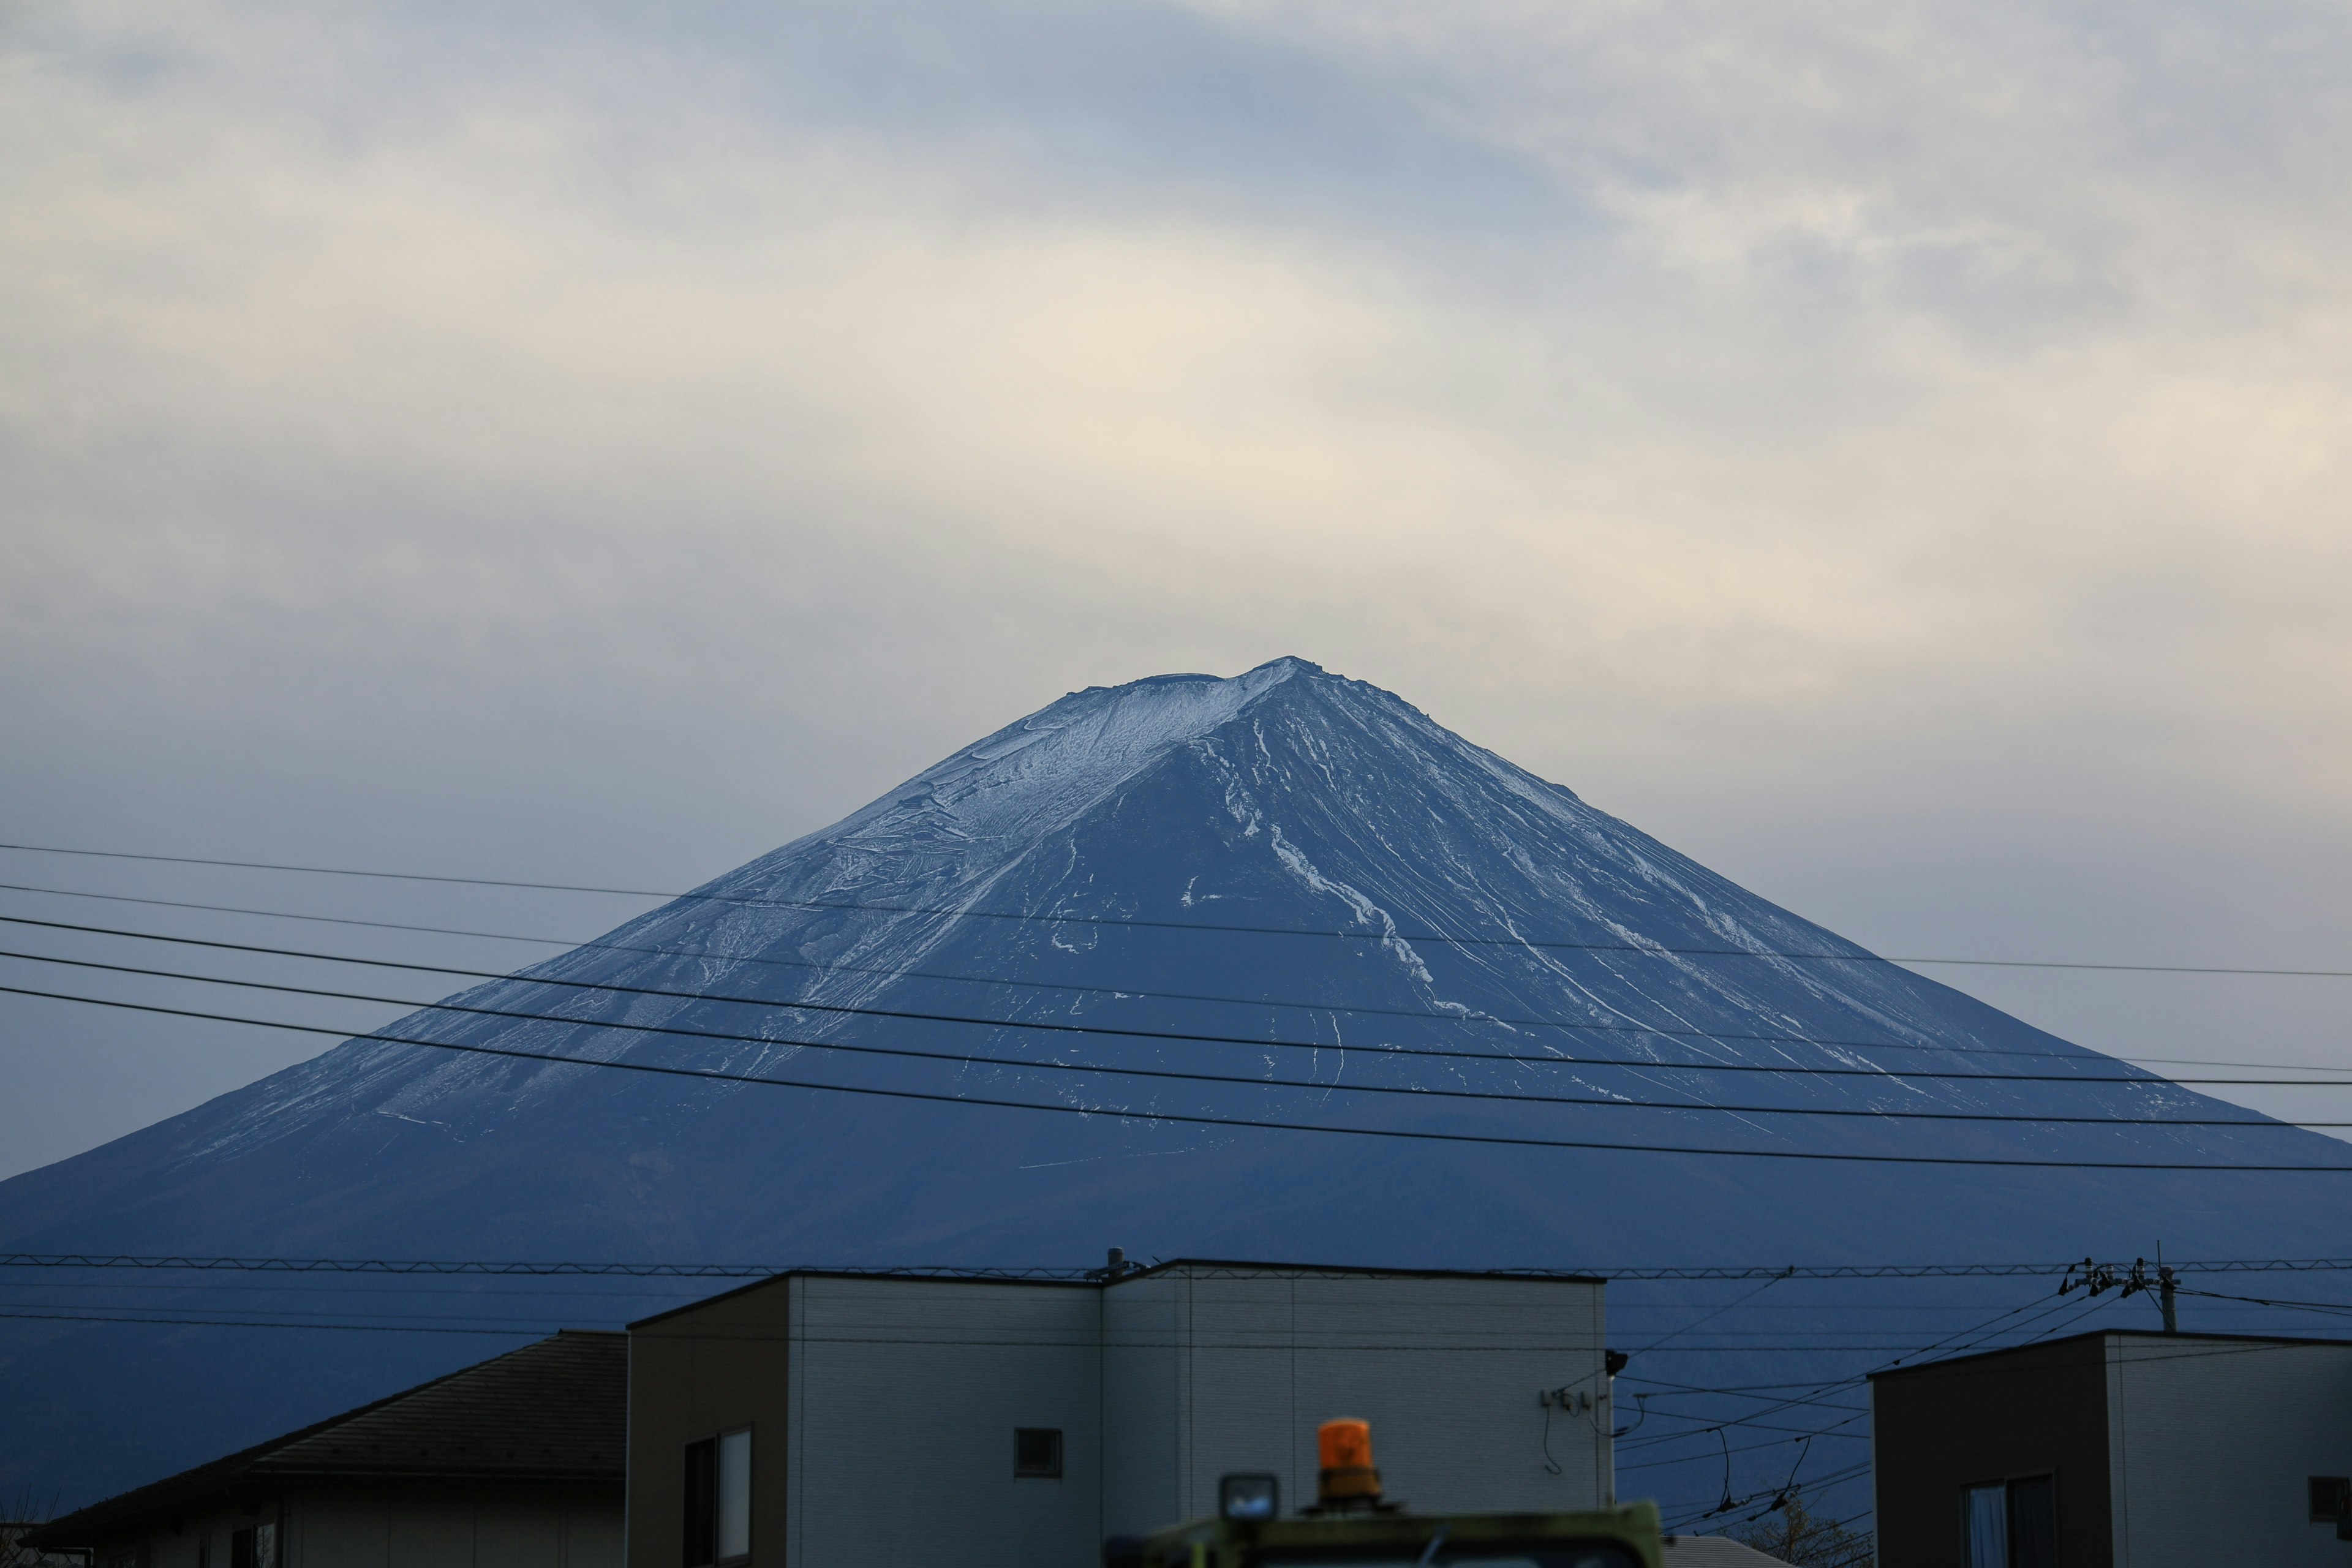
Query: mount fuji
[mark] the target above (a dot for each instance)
(1499, 1029)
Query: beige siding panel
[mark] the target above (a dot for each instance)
(429, 1534)
(907, 1393)
(2211, 1446)
(592, 1536)
(1241, 1354)
(1446, 1371)
(722, 1365)
(332, 1532)
(178, 1549)
(883, 1409)
(451, 1528)
(524, 1534)
(1213, 1369)
(1143, 1320)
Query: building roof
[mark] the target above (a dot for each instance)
(14, 1530)
(1715, 1552)
(2156, 1336)
(1096, 1279)
(554, 1413)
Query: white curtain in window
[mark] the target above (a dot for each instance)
(1988, 1527)
(735, 1495)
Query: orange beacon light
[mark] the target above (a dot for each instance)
(1347, 1477)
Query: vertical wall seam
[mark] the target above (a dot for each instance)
(628, 1443)
(795, 1422)
(1102, 1408)
(2120, 1466)
(1605, 1447)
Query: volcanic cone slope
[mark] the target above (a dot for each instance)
(1293, 890)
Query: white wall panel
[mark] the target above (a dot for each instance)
(2211, 1443)
(1446, 1368)
(1144, 1326)
(906, 1395)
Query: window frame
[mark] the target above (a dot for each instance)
(1969, 1490)
(2009, 1533)
(714, 1446)
(1023, 1471)
(2010, 1487)
(719, 1531)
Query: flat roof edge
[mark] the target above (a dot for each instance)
(2157, 1335)
(1095, 1278)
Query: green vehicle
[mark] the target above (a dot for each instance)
(1612, 1537)
(1350, 1527)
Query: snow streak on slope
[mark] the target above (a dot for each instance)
(1304, 867)
(1345, 874)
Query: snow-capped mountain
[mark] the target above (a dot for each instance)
(1286, 897)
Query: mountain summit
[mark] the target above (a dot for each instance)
(1499, 1028)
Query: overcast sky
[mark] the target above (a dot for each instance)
(1896, 455)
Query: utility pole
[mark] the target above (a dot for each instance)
(2164, 1297)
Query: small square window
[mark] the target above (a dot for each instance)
(1038, 1451)
(2331, 1497)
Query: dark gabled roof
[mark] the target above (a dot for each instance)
(554, 1413)
(1096, 1279)
(2250, 1342)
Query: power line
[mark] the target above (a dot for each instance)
(1961, 1339)
(498, 1267)
(1832, 1430)
(1097, 1068)
(541, 1331)
(1057, 1026)
(2334, 1308)
(1176, 1118)
(371, 1288)
(1352, 1009)
(1732, 1505)
(659, 1269)
(359, 1285)
(248, 1323)
(1728, 1306)
(1385, 935)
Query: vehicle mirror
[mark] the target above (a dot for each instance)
(1249, 1497)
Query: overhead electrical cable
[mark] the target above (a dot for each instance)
(1831, 1272)
(368, 1287)
(1710, 1317)
(1660, 1031)
(246, 1323)
(1960, 1340)
(541, 1330)
(1057, 1026)
(1383, 935)
(1175, 1118)
(1179, 1075)
(1832, 1430)
(2334, 1308)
